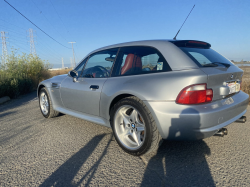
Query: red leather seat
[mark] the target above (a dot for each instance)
(132, 62)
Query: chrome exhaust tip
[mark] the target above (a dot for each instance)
(242, 119)
(225, 131)
(221, 132)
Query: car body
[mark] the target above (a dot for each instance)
(158, 73)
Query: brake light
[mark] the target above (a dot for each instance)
(195, 94)
(197, 42)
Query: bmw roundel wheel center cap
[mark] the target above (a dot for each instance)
(132, 125)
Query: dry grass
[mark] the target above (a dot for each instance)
(245, 86)
(246, 70)
(59, 72)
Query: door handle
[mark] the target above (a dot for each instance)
(94, 87)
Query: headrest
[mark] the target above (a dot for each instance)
(132, 61)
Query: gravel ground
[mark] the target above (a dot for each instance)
(66, 151)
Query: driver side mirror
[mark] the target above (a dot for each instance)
(74, 75)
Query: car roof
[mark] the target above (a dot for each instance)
(152, 43)
(135, 43)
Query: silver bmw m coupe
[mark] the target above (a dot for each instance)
(147, 91)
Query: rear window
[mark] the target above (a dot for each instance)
(206, 57)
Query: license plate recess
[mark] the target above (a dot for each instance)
(233, 87)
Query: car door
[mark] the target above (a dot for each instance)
(83, 94)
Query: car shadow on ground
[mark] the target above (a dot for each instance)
(181, 163)
(6, 114)
(65, 174)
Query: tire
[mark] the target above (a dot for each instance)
(46, 104)
(134, 127)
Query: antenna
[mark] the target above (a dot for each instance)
(183, 23)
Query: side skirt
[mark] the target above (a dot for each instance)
(87, 117)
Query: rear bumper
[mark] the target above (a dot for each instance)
(193, 122)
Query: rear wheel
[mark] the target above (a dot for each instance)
(134, 127)
(46, 105)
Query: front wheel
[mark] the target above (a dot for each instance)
(46, 105)
(134, 127)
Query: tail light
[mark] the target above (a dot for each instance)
(195, 94)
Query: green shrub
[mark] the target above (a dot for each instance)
(21, 74)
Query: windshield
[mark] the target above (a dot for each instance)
(206, 57)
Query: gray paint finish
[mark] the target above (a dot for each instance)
(54, 92)
(79, 97)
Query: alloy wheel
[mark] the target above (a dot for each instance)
(44, 104)
(129, 127)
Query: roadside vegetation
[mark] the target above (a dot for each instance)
(53, 73)
(22, 73)
(246, 80)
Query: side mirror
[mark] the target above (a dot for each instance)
(74, 75)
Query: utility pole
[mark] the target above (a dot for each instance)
(4, 47)
(32, 43)
(71, 63)
(62, 64)
(73, 53)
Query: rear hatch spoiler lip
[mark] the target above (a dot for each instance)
(191, 43)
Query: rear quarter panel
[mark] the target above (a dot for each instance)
(163, 86)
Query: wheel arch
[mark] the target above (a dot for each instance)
(118, 98)
(39, 88)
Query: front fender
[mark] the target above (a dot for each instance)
(45, 83)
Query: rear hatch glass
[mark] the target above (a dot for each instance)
(223, 76)
(206, 57)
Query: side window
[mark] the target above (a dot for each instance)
(152, 62)
(140, 60)
(80, 66)
(99, 64)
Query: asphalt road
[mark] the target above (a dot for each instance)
(66, 151)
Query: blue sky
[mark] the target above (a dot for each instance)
(92, 24)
